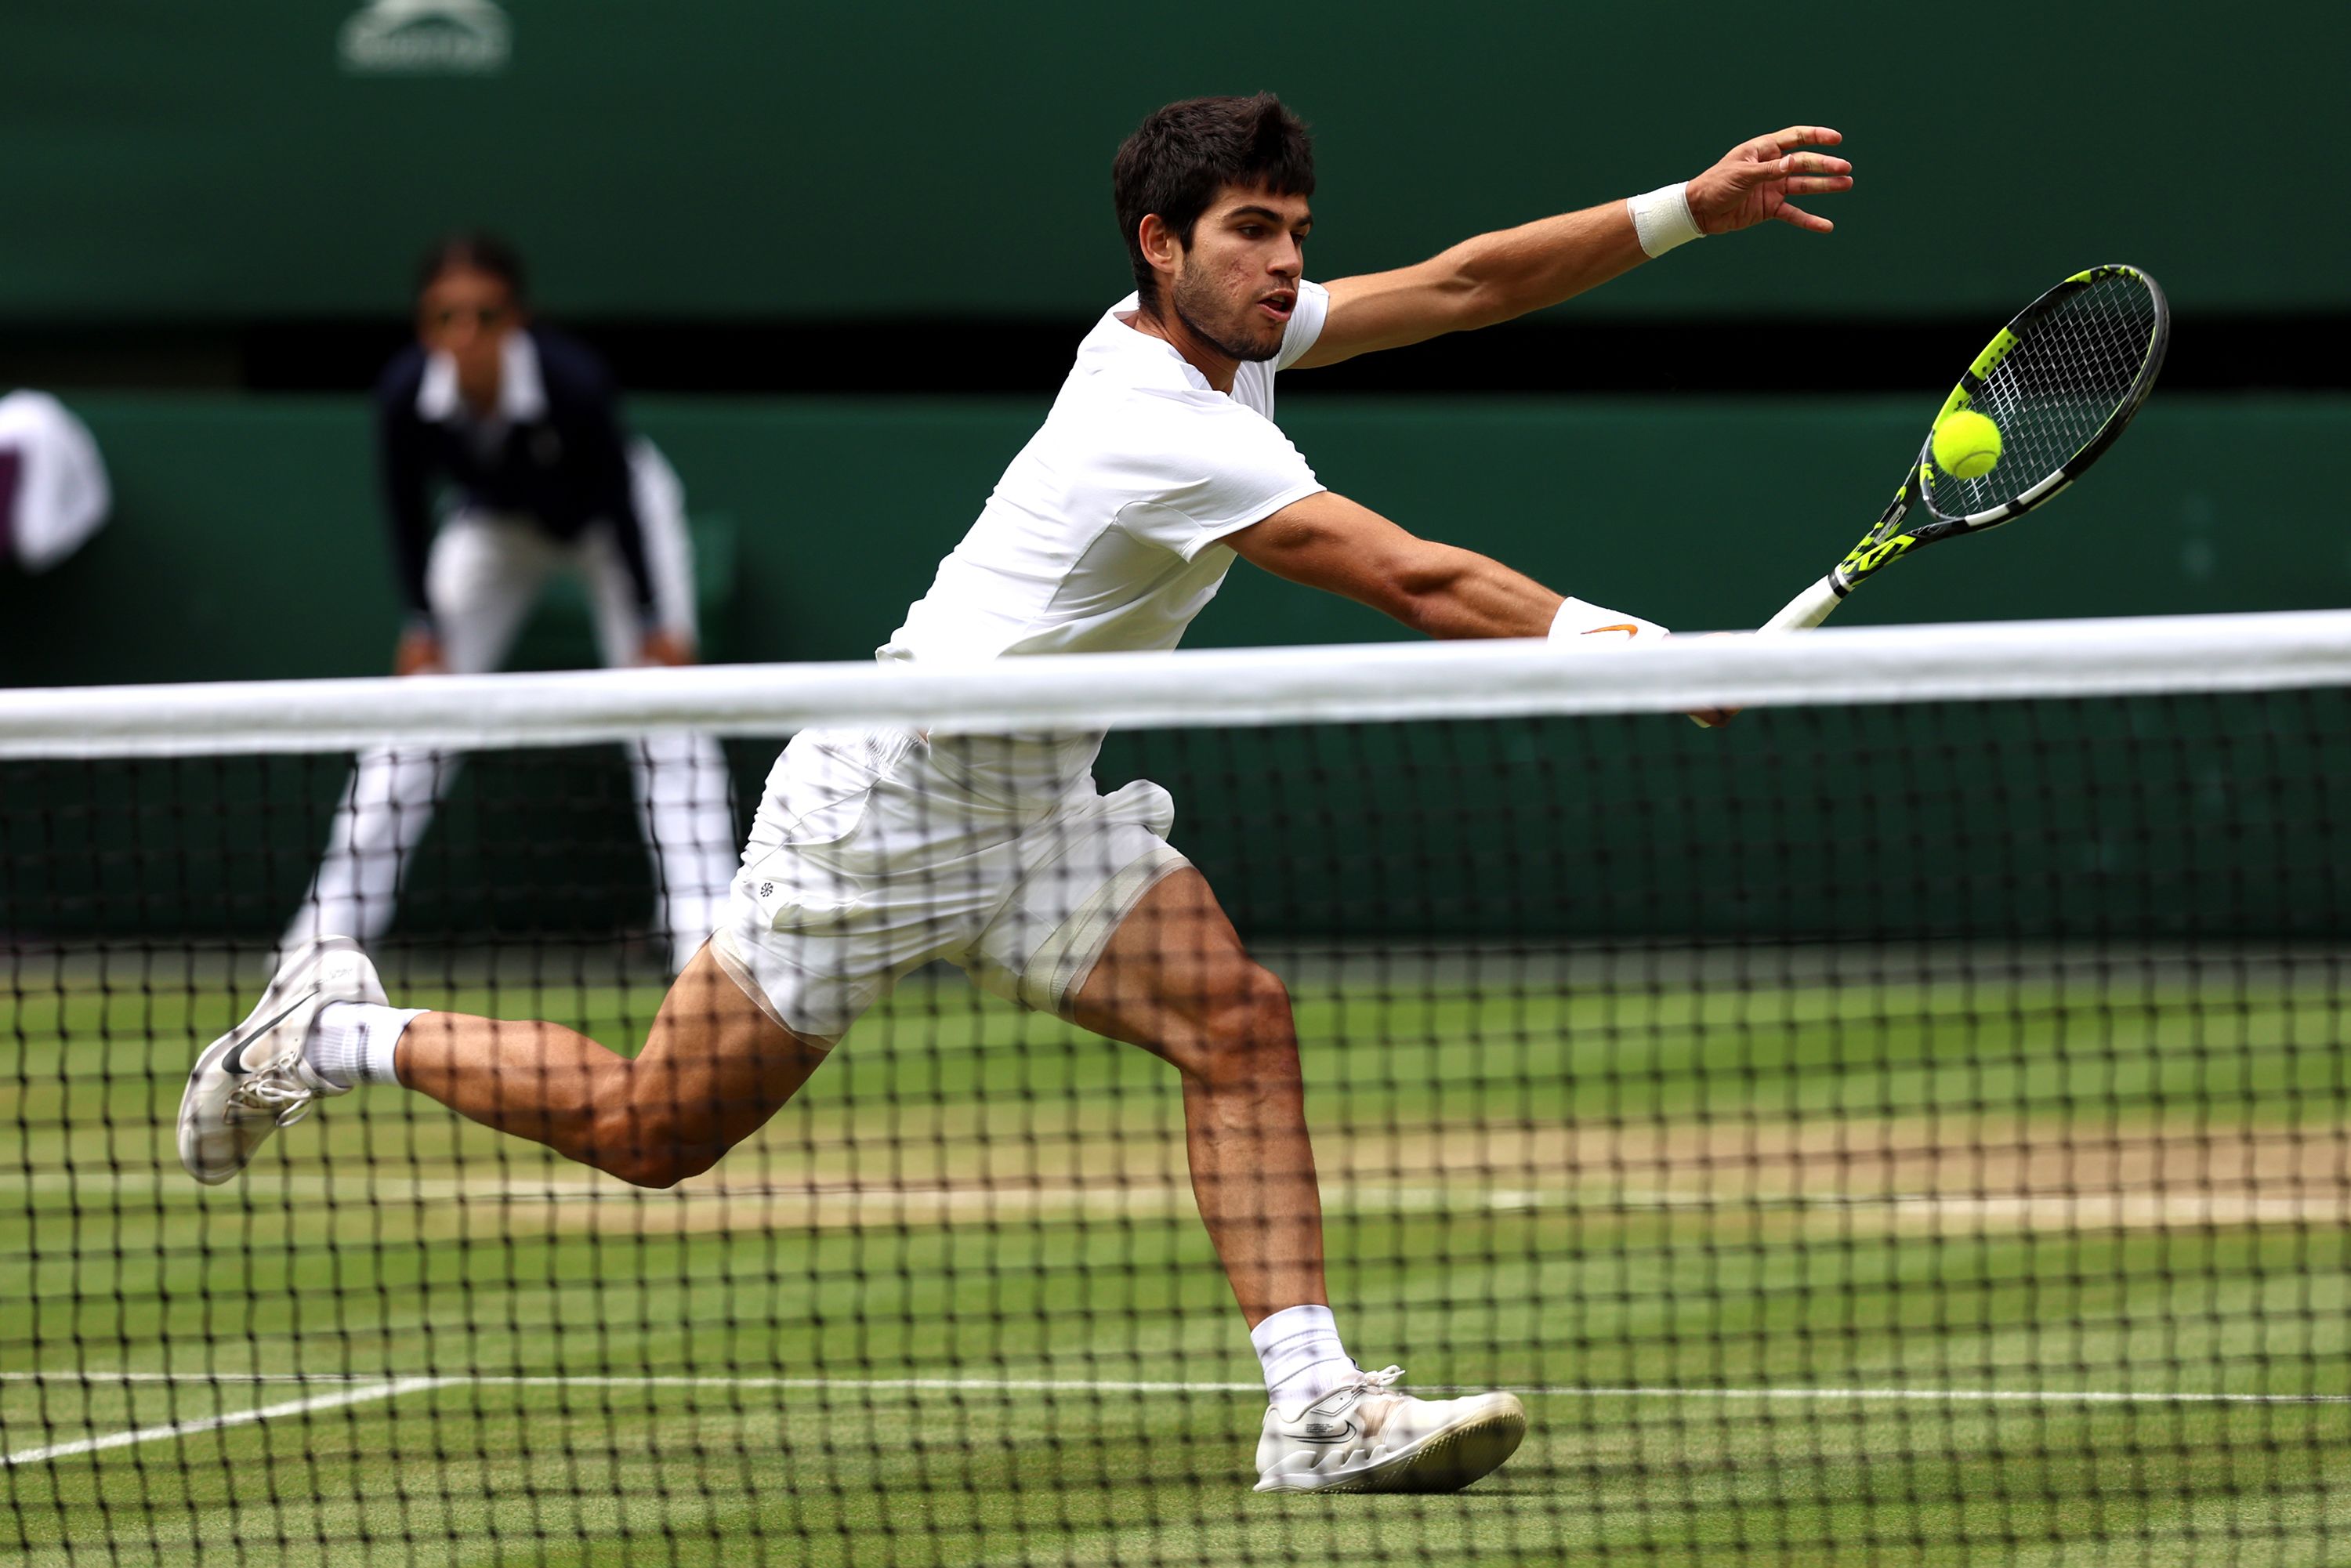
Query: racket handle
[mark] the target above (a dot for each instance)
(1808, 608)
(1804, 612)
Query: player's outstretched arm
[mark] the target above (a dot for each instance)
(1329, 542)
(1496, 277)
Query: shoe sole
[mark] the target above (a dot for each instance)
(1442, 1462)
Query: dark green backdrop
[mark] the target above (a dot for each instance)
(743, 158)
(246, 545)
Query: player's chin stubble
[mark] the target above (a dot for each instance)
(1194, 301)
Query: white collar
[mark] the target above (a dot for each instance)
(1115, 336)
(522, 391)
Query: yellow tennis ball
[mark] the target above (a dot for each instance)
(1967, 444)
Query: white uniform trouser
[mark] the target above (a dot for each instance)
(482, 579)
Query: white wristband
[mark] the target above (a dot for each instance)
(1580, 624)
(1661, 219)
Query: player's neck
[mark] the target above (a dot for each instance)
(1211, 361)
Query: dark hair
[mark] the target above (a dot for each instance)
(1182, 155)
(477, 250)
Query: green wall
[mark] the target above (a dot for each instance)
(247, 547)
(246, 544)
(902, 158)
(2117, 822)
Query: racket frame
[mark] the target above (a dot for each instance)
(1887, 541)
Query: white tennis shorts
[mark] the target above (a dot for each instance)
(875, 852)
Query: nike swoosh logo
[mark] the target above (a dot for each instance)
(1626, 627)
(234, 1060)
(1325, 1432)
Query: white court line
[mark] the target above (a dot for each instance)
(2091, 1209)
(359, 1396)
(1122, 1385)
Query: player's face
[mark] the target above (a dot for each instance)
(1236, 283)
(467, 315)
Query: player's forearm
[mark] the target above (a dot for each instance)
(1510, 272)
(1445, 591)
(1342, 546)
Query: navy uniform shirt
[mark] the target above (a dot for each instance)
(554, 451)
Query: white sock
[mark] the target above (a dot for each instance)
(1303, 1360)
(352, 1043)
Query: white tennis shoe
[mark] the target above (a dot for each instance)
(253, 1081)
(1361, 1438)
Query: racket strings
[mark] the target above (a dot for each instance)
(2075, 367)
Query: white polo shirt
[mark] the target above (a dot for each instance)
(1103, 535)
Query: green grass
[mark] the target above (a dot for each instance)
(1723, 1195)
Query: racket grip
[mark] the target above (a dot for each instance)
(1808, 608)
(1805, 611)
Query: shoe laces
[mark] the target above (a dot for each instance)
(276, 1093)
(1385, 1377)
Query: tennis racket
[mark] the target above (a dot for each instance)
(2061, 381)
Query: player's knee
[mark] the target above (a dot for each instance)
(1248, 1036)
(657, 1146)
(649, 1160)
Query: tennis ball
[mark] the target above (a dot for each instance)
(1967, 444)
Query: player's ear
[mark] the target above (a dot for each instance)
(1160, 246)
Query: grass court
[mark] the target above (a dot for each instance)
(1836, 1258)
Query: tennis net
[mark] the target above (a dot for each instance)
(1911, 1125)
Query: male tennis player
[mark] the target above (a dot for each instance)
(877, 851)
(522, 426)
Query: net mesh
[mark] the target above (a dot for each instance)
(1877, 1133)
(2074, 368)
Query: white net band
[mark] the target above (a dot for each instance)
(2116, 657)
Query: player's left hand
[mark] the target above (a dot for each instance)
(1753, 182)
(665, 647)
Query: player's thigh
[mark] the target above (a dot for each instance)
(1170, 972)
(715, 1059)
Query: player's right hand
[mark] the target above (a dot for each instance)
(419, 653)
(1714, 717)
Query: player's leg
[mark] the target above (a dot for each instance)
(684, 800)
(1175, 979)
(481, 579)
(790, 970)
(715, 1067)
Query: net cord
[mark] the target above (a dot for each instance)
(1216, 688)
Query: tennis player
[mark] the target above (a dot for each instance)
(875, 851)
(522, 426)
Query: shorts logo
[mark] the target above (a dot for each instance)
(1629, 630)
(767, 890)
(425, 37)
